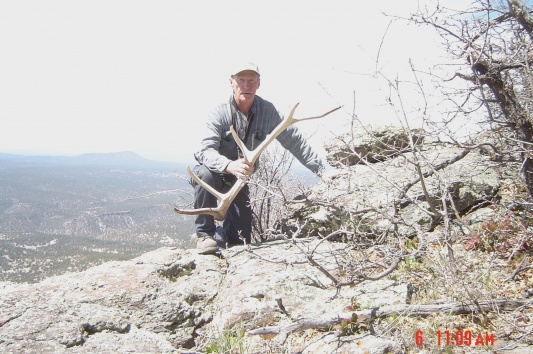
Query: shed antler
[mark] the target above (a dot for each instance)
(225, 199)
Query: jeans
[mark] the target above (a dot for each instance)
(238, 220)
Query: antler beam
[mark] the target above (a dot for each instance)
(225, 199)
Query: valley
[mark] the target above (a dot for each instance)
(63, 214)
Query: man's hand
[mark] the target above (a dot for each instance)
(240, 168)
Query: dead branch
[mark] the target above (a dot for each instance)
(310, 259)
(519, 269)
(282, 332)
(362, 277)
(435, 168)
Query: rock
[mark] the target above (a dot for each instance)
(369, 198)
(280, 271)
(367, 344)
(374, 144)
(172, 300)
(146, 304)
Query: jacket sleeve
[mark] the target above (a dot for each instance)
(209, 153)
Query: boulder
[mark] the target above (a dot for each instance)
(372, 144)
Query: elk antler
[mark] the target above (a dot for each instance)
(225, 199)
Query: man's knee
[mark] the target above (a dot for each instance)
(204, 174)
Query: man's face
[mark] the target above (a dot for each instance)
(244, 85)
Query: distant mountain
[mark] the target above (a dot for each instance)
(115, 158)
(124, 159)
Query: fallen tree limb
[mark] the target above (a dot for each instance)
(282, 332)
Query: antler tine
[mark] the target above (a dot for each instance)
(210, 189)
(225, 199)
(207, 211)
(252, 156)
(316, 117)
(248, 155)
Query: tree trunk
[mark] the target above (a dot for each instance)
(490, 74)
(519, 12)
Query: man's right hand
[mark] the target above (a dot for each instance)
(240, 168)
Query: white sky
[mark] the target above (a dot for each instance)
(82, 76)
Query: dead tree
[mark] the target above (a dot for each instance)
(495, 40)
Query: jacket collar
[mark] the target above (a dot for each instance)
(234, 107)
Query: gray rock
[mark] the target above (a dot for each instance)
(171, 299)
(367, 344)
(372, 144)
(148, 304)
(368, 198)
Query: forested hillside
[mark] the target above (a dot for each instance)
(62, 214)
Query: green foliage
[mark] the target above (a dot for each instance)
(34, 256)
(228, 342)
(351, 326)
(410, 263)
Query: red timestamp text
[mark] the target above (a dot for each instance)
(458, 338)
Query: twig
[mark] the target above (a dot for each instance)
(519, 269)
(266, 189)
(279, 301)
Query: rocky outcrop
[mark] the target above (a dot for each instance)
(371, 145)
(388, 196)
(172, 300)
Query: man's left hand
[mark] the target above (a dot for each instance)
(240, 168)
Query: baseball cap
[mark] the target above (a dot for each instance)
(244, 67)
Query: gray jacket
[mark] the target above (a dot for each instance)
(218, 148)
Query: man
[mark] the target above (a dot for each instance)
(220, 162)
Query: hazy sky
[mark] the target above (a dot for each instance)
(82, 76)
